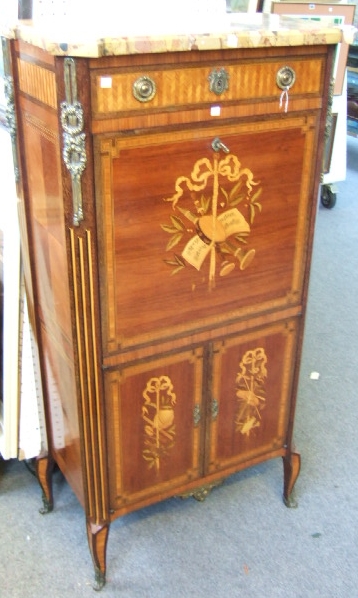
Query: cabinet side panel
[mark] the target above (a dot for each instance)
(47, 245)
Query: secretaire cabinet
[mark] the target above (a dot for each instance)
(168, 201)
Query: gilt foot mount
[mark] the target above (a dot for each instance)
(201, 493)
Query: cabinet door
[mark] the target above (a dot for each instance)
(251, 395)
(153, 415)
(190, 237)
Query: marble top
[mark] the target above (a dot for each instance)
(228, 32)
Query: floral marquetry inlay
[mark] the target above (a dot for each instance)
(215, 210)
(250, 390)
(158, 416)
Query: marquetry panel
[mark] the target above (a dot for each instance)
(37, 82)
(113, 91)
(153, 286)
(154, 426)
(251, 387)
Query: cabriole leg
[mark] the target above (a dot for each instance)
(291, 469)
(97, 540)
(44, 468)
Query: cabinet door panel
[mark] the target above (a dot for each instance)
(153, 427)
(251, 384)
(189, 235)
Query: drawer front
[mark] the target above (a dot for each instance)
(168, 89)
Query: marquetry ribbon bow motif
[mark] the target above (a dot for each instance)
(250, 390)
(158, 415)
(220, 228)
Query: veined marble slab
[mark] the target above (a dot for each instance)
(62, 38)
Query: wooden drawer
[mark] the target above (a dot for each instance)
(177, 88)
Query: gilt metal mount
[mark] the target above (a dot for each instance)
(218, 145)
(144, 89)
(74, 152)
(218, 81)
(196, 415)
(11, 124)
(285, 77)
(214, 409)
(10, 113)
(202, 492)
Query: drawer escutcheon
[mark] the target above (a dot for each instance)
(219, 81)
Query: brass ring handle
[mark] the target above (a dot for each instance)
(144, 89)
(285, 77)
